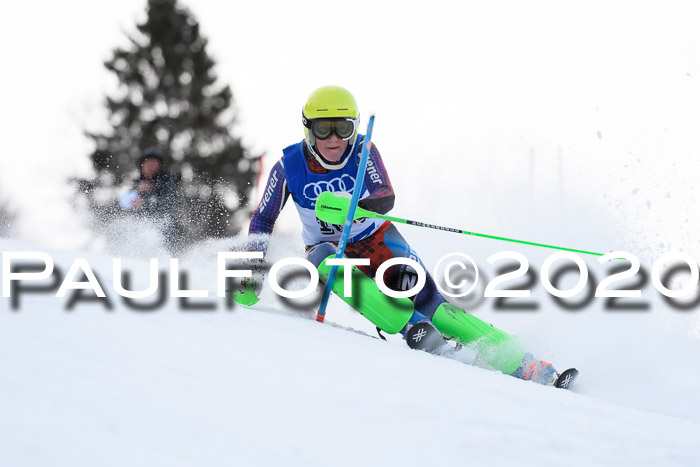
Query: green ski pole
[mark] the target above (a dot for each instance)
(334, 209)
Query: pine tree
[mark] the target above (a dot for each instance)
(169, 99)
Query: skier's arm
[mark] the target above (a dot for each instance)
(265, 215)
(381, 198)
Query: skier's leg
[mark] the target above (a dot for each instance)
(387, 313)
(495, 347)
(390, 314)
(429, 298)
(386, 243)
(498, 349)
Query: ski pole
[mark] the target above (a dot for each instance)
(349, 216)
(334, 209)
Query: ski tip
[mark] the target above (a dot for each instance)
(566, 379)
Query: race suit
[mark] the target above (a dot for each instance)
(300, 175)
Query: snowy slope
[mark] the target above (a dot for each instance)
(172, 387)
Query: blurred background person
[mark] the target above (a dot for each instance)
(154, 194)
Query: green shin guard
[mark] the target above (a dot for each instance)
(389, 314)
(500, 350)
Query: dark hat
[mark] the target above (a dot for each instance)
(152, 153)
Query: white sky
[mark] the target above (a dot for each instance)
(467, 93)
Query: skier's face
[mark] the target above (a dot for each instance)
(332, 148)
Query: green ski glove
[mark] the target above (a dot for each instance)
(247, 297)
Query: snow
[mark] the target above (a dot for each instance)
(174, 387)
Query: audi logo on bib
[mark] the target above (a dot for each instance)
(343, 183)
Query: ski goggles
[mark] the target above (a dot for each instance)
(322, 128)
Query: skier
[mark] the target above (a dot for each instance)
(327, 159)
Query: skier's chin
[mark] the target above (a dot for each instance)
(332, 155)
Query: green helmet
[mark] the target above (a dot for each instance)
(329, 102)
